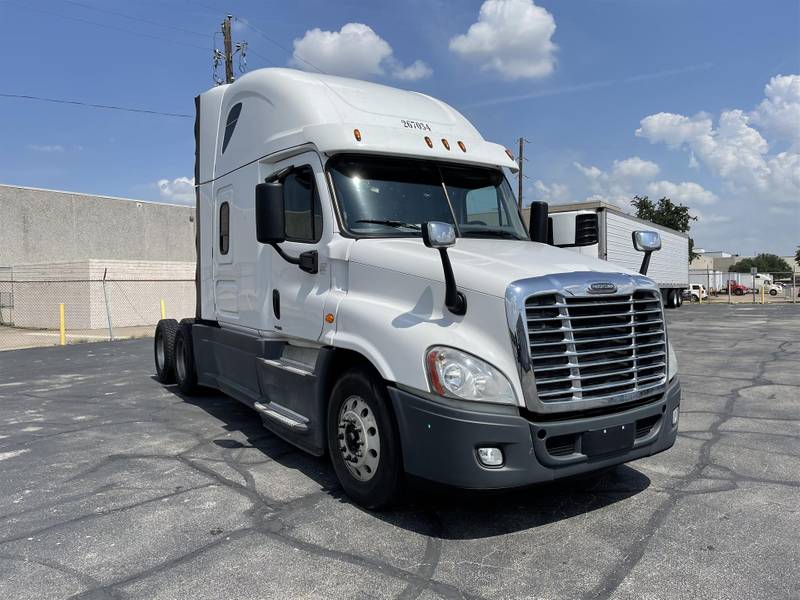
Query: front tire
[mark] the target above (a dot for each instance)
(164, 350)
(185, 371)
(773, 292)
(363, 440)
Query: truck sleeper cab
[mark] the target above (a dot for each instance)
(367, 285)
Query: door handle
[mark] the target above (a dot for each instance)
(276, 303)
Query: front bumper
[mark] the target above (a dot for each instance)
(440, 441)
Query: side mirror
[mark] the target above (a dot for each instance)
(270, 226)
(647, 242)
(436, 234)
(538, 222)
(442, 236)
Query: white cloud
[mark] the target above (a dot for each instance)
(779, 113)
(633, 176)
(46, 148)
(180, 189)
(353, 51)
(414, 71)
(554, 192)
(687, 192)
(635, 168)
(512, 38)
(735, 150)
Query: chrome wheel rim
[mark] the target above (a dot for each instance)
(180, 363)
(358, 438)
(160, 355)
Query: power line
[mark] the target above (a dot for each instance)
(134, 18)
(113, 27)
(278, 44)
(91, 105)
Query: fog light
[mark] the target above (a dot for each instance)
(675, 412)
(491, 457)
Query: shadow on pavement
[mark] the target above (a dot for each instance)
(431, 509)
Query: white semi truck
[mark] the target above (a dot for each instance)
(601, 230)
(365, 283)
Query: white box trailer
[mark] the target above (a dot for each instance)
(601, 230)
(366, 284)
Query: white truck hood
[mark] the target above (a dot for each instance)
(481, 265)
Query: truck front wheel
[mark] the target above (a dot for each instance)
(363, 440)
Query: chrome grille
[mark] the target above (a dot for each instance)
(596, 347)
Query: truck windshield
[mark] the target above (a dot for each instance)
(389, 197)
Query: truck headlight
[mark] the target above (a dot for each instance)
(461, 375)
(672, 363)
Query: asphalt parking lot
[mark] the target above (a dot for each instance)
(112, 486)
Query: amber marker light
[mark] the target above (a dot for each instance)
(462, 146)
(510, 155)
(446, 144)
(357, 133)
(429, 141)
(329, 316)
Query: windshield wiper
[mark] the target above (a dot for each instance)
(391, 223)
(490, 233)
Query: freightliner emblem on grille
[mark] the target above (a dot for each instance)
(602, 287)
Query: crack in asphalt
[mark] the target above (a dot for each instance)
(634, 553)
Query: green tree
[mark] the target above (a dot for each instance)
(764, 263)
(668, 214)
(797, 256)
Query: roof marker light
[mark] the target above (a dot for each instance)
(462, 146)
(446, 144)
(429, 141)
(357, 133)
(509, 153)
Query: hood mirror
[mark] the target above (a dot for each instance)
(441, 236)
(436, 234)
(647, 242)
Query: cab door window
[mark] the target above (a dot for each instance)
(302, 207)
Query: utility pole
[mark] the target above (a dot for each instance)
(520, 161)
(226, 37)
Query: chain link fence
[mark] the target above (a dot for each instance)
(736, 288)
(46, 312)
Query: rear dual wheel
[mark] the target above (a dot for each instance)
(185, 371)
(164, 350)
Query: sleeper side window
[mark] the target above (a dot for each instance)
(302, 208)
(230, 124)
(224, 227)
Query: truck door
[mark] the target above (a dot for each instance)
(298, 297)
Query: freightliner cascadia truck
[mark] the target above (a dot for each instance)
(365, 282)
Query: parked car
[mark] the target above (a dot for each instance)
(697, 292)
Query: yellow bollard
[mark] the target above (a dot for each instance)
(62, 332)
(163, 309)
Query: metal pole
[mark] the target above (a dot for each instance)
(520, 159)
(754, 289)
(62, 334)
(108, 308)
(794, 284)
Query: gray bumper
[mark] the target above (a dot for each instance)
(440, 442)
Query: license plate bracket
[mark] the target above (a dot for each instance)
(608, 440)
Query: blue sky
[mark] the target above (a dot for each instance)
(712, 88)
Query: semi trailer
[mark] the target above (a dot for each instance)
(365, 282)
(601, 230)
